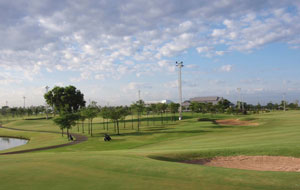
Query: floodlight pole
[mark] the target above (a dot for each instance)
(179, 65)
(47, 88)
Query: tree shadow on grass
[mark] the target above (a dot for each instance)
(143, 133)
(166, 132)
(38, 118)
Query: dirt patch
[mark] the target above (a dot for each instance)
(260, 163)
(235, 122)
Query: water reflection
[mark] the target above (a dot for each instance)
(6, 143)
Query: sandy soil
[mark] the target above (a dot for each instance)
(235, 122)
(260, 163)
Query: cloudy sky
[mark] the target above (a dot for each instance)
(111, 49)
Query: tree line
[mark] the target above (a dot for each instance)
(70, 104)
(7, 111)
(225, 106)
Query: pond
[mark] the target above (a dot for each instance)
(7, 142)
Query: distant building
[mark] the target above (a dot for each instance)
(208, 99)
(156, 102)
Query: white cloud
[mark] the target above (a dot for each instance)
(218, 32)
(135, 86)
(226, 68)
(133, 38)
(59, 67)
(204, 49)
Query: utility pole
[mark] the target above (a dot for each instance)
(24, 100)
(47, 88)
(6, 103)
(139, 95)
(284, 104)
(240, 99)
(179, 65)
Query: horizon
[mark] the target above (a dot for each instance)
(111, 50)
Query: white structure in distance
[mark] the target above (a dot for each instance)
(156, 102)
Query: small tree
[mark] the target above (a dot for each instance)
(90, 113)
(153, 110)
(82, 118)
(66, 121)
(148, 110)
(105, 115)
(194, 107)
(139, 108)
(115, 114)
(161, 108)
(125, 113)
(174, 109)
(164, 110)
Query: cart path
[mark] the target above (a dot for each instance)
(78, 139)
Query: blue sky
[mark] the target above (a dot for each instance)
(112, 49)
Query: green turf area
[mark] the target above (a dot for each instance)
(146, 160)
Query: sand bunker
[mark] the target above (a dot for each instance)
(260, 163)
(235, 122)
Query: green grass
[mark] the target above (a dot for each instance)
(145, 160)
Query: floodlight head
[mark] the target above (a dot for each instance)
(179, 64)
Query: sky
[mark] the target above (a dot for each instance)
(112, 49)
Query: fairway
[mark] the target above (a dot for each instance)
(150, 159)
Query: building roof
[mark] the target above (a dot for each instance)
(206, 99)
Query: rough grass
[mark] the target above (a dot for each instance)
(145, 160)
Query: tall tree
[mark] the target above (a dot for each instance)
(67, 101)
